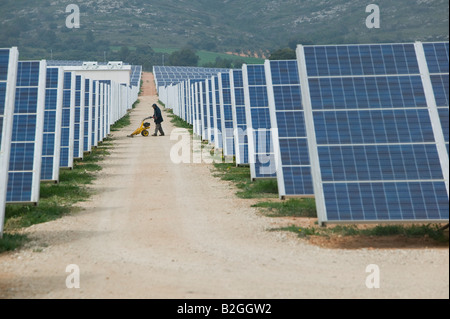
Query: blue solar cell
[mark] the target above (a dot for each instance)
(212, 124)
(2, 97)
(444, 115)
(4, 64)
(373, 126)
(441, 89)
(95, 106)
(367, 92)
(205, 113)
(386, 201)
(356, 60)
(297, 180)
(27, 133)
(437, 56)
(67, 121)
(52, 125)
(375, 147)
(286, 110)
(261, 156)
(78, 145)
(217, 114)
(227, 114)
(87, 115)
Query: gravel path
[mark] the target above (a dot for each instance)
(156, 229)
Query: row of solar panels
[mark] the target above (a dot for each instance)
(48, 118)
(364, 129)
(169, 75)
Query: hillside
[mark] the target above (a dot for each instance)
(240, 26)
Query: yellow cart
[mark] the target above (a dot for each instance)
(143, 130)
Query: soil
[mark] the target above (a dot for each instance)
(160, 230)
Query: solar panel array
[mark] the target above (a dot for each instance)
(217, 112)
(52, 124)
(259, 128)
(289, 127)
(136, 72)
(8, 78)
(374, 147)
(27, 137)
(78, 146)
(171, 75)
(68, 121)
(227, 114)
(48, 117)
(239, 117)
(361, 128)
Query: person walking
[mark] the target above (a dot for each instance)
(157, 116)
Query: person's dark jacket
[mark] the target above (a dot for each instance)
(158, 116)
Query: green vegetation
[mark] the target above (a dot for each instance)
(192, 57)
(240, 177)
(11, 242)
(179, 122)
(290, 208)
(184, 57)
(123, 122)
(128, 30)
(283, 54)
(414, 231)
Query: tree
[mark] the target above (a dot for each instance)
(124, 53)
(283, 54)
(184, 57)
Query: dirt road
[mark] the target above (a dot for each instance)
(156, 229)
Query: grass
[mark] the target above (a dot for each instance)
(56, 200)
(11, 242)
(210, 57)
(177, 121)
(290, 208)
(434, 232)
(123, 122)
(240, 177)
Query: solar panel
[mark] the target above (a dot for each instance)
(261, 154)
(78, 140)
(101, 110)
(197, 110)
(204, 110)
(210, 106)
(105, 109)
(289, 127)
(95, 113)
(227, 114)
(108, 109)
(217, 114)
(8, 78)
(437, 57)
(52, 124)
(87, 115)
(373, 149)
(239, 120)
(27, 135)
(165, 76)
(67, 121)
(135, 79)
